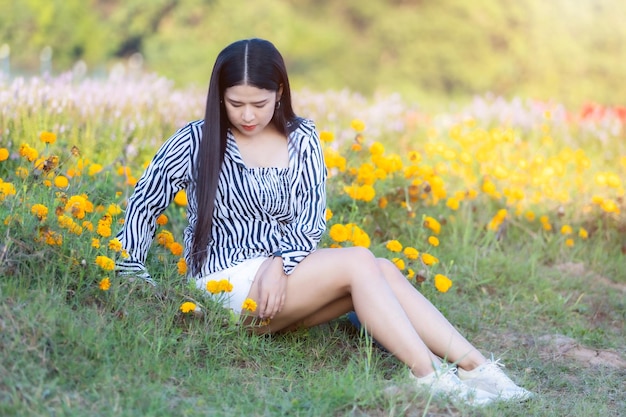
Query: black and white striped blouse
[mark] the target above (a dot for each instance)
(258, 211)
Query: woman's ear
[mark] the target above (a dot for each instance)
(279, 93)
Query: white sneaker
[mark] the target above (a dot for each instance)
(491, 378)
(444, 382)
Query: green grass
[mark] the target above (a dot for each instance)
(69, 349)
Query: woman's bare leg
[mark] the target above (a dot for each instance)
(435, 330)
(328, 275)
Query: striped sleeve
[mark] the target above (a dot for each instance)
(301, 236)
(169, 172)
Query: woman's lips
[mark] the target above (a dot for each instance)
(248, 128)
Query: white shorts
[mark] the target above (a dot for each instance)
(240, 276)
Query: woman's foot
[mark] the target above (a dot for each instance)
(490, 377)
(444, 382)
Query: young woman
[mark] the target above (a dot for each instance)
(255, 177)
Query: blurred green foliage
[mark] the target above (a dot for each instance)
(570, 51)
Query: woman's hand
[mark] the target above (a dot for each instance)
(272, 289)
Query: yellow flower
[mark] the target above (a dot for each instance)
(95, 243)
(339, 233)
(566, 229)
(394, 246)
(410, 274)
(115, 245)
(225, 285)
(411, 253)
(399, 263)
(105, 263)
(61, 181)
(40, 211)
(181, 198)
(433, 241)
(165, 238)
(377, 149)
(452, 203)
(382, 202)
(249, 304)
(442, 283)
(162, 220)
(182, 266)
(429, 259)
(359, 237)
(329, 214)
(432, 224)
(104, 228)
(29, 153)
(569, 242)
(105, 284)
(326, 136)
(4, 154)
(48, 137)
(114, 209)
(582, 233)
(176, 248)
(357, 125)
(213, 286)
(188, 307)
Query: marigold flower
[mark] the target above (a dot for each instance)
(382, 202)
(411, 253)
(94, 169)
(213, 286)
(569, 242)
(329, 214)
(115, 245)
(582, 233)
(432, 224)
(40, 211)
(377, 148)
(48, 137)
(29, 153)
(105, 263)
(566, 229)
(394, 246)
(181, 198)
(165, 238)
(433, 241)
(162, 220)
(182, 266)
(105, 284)
(95, 243)
(61, 181)
(452, 203)
(114, 209)
(326, 136)
(357, 125)
(4, 154)
(339, 233)
(399, 263)
(442, 283)
(188, 307)
(176, 248)
(249, 304)
(410, 274)
(429, 259)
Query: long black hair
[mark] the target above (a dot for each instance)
(254, 62)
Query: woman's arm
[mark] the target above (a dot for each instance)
(301, 237)
(169, 172)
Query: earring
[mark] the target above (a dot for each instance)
(277, 105)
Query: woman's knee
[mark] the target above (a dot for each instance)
(390, 270)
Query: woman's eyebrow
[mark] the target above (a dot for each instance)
(254, 102)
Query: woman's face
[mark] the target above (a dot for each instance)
(250, 109)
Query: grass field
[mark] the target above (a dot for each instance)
(507, 214)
